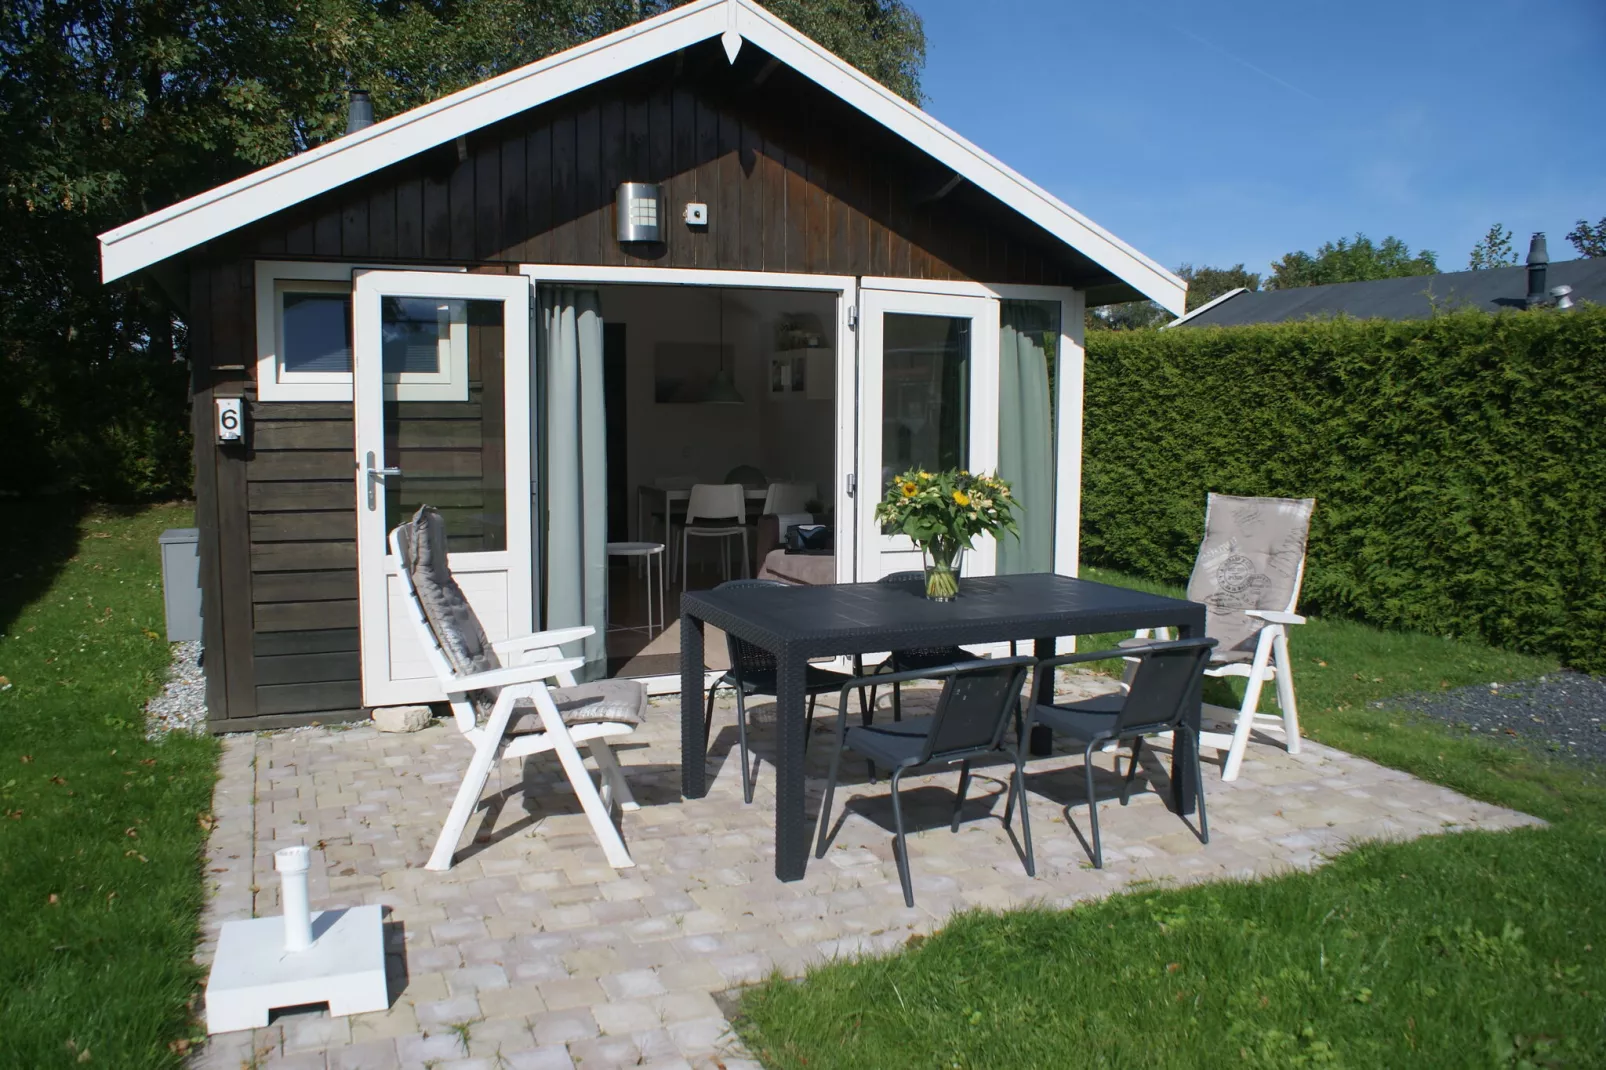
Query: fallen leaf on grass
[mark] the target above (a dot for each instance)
(206, 821)
(58, 780)
(26, 759)
(54, 900)
(178, 1047)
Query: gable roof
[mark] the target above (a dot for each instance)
(188, 223)
(1416, 297)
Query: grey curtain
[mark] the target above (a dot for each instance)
(1026, 433)
(576, 469)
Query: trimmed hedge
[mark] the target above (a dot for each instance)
(1458, 464)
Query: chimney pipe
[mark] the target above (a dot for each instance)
(360, 112)
(1538, 260)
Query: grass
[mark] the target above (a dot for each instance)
(1477, 949)
(101, 832)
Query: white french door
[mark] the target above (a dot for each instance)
(928, 399)
(441, 387)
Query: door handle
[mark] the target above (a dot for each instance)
(375, 476)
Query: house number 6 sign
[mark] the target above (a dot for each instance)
(230, 420)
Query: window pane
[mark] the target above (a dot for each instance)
(317, 332)
(453, 454)
(925, 393)
(417, 333)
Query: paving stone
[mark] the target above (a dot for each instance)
(559, 961)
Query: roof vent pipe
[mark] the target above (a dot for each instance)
(359, 112)
(1538, 261)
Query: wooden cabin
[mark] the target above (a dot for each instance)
(702, 250)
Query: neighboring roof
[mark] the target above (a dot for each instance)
(1416, 297)
(184, 225)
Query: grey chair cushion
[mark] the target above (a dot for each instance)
(422, 542)
(450, 617)
(1249, 559)
(621, 701)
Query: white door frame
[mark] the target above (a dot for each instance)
(951, 301)
(1069, 381)
(506, 572)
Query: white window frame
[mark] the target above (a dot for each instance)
(275, 278)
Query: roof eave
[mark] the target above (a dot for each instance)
(172, 230)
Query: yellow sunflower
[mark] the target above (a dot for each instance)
(910, 490)
(961, 497)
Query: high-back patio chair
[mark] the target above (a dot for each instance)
(753, 673)
(509, 711)
(1250, 566)
(969, 722)
(1165, 674)
(924, 657)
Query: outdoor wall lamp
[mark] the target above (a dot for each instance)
(637, 212)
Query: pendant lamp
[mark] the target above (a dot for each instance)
(722, 391)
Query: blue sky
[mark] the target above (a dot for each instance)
(1236, 132)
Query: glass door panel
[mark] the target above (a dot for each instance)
(925, 399)
(451, 450)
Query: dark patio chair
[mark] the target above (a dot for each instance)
(753, 672)
(969, 722)
(923, 657)
(1166, 674)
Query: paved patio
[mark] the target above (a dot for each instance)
(533, 953)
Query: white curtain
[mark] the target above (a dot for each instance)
(576, 469)
(1026, 431)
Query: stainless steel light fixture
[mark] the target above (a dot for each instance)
(638, 212)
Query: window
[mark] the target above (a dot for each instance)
(304, 338)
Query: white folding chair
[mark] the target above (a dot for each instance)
(722, 508)
(509, 711)
(1249, 570)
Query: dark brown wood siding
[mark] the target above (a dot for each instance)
(278, 530)
(795, 181)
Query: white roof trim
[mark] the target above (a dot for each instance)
(1206, 307)
(205, 216)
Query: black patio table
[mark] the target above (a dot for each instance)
(799, 623)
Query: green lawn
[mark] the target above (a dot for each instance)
(1477, 949)
(101, 832)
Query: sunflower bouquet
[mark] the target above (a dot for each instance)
(943, 512)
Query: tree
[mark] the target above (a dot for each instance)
(110, 109)
(1129, 316)
(1350, 261)
(1205, 284)
(1493, 250)
(1589, 240)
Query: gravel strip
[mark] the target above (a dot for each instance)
(1562, 712)
(181, 707)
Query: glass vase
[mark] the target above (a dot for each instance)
(942, 570)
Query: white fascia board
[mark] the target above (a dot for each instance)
(208, 215)
(932, 137)
(1206, 307)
